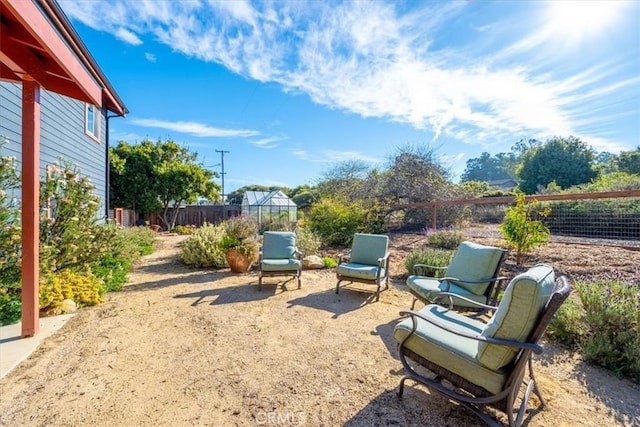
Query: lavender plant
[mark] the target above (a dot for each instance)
(603, 321)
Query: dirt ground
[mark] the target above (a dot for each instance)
(201, 347)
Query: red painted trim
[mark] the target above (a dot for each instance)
(34, 21)
(30, 207)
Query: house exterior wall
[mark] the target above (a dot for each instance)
(62, 134)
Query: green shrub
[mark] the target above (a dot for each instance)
(10, 240)
(241, 227)
(429, 256)
(184, 229)
(521, 230)
(113, 271)
(65, 284)
(604, 323)
(203, 248)
(10, 304)
(278, 226)
(335, 221)
(70, 235)
(445, 239)
(329, 262)
(125, 247)
(567, 325)
(307, 241)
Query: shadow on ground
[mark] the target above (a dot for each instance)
(338, 304)
(598, 383)
(244, 292)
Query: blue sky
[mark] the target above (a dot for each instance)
(291, 88)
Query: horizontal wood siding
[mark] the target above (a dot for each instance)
(10, 118)
(62, 134)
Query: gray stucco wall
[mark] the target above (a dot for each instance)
(62, 134)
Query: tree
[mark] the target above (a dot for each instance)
(629, 161)
(606, 163)
(345, 179)
(489, 168)
(159, 177)
(131, 178)
(415, 174)
(522, 227)
(304, 196)
(567, 161)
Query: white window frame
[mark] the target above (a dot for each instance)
(92, 121)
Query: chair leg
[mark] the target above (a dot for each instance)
(260, 283)
(413, 305)
(401, 387)
(299, 282)
(378, 293)
(536, 389)
(338, 287)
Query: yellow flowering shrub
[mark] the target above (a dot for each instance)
(81, 288)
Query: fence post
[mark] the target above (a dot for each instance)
(118, 214)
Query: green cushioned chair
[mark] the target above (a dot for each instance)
(366, 262)
(472, 274)
(485, 363)
(279, 256)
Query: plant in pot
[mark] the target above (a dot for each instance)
(239, 243)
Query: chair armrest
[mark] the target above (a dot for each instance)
(343, 256)
(450, 296)
(442, 325)
(490, 279)
(382, 261)
(430, 266)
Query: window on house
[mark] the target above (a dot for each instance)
(92, 121)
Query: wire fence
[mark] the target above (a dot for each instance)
(605, 218)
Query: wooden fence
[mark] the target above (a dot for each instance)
(188, 216)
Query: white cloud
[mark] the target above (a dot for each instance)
(150, 57)
(195, 129)
(128, 36)
(333, 156)
(384, 60)
(269, 142)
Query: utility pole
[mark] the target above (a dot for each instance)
(224, 204)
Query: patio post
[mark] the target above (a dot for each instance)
(30, 206)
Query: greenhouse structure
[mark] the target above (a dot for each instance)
(269, 206)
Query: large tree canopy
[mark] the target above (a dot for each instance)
(567, 161)
(158, 177)
(415, 174)
(629, 161)
(489, 168)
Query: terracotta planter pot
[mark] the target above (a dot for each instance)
(238, 262)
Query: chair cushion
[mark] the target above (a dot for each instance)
(474, 262)
(359, 271)
(368, 248)
(278, 244)
(280, 264)
(453, 352)
(429, 288)
(518, 312)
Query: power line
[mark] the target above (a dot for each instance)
(222, 173)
